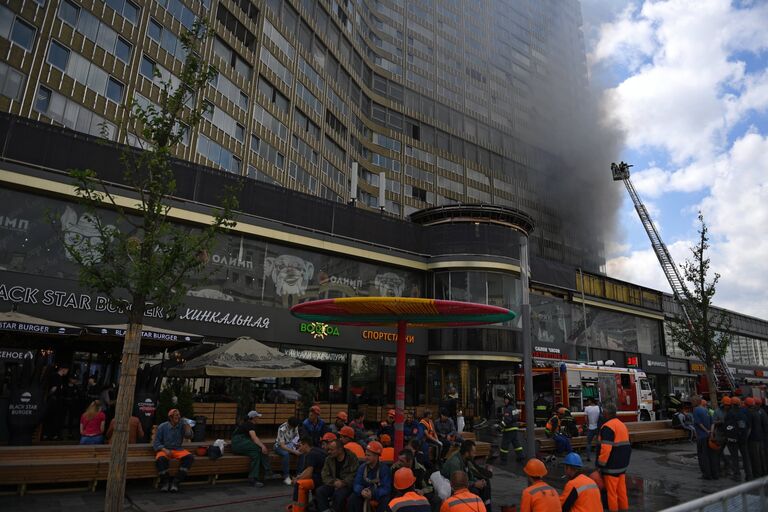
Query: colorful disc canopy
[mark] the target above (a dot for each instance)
(391, 310)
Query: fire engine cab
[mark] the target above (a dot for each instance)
(572, 384)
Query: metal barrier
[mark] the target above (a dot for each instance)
(748, 496)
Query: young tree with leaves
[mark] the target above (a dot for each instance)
(140, 258)
(707, 336)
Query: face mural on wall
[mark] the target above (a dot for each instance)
(81, 235)
(389, 284)
(290, 274)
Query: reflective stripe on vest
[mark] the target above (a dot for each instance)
(395, 505)
(541, 488)
(585, 487)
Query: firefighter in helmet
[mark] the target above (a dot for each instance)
(510, 418)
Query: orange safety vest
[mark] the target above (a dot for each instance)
(587, 495)
(387, 454)
(615, 449)
(463, 501)
(553, 425)
(429, 429)
(410, 502)
(356, 449)
(539, 497)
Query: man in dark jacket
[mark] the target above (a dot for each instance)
(737, 435)
(373, 481)
(339, 473)
(313, 426)
(756, 438)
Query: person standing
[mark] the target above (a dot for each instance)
(581, 493)
(592, 412)
(373, 481)
(717, 434)
(613, 460)
(246, 442)
(54, 406)
(540, 411)
(286, 444)
(339, 471)
(702, 422)
(510, 418)
(743, 425)
(538, 496)
(756, 438)
(92, 424)
(168, 445)
(764, 424)
(461, 498)
(407, 500)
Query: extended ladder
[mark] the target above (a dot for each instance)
(724, 376)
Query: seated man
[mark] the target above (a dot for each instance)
(422, 485)
(554, 430)
(246, 442)
(347, 435)
(461, 497)
(373, 482)
(167, 445)
(446, 433)
(407, 499)
(478, 477)
(338, 474)
(309, 473)
(387, 452)
(286, 444)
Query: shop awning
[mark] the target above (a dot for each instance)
(148, 333)
(244, 357)
(15, 322)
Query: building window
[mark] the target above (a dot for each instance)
(126, 8)
(243, 101)
(147, 67)
(58, 55)
(155, 30)
(43, 99)
(239, 132)
(69, 12)
(11, 82)
(23, 34)
(115, 90)
(123, 50)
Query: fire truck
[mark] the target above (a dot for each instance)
(572, 384)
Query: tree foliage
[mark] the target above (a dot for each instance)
(707, 337)
(142, 253)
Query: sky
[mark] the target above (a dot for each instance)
(686, 81)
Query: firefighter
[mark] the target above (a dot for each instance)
(538, 496)
(510, 418)
(581, 493)
(615, 452)
(540, 411)
(554, 430)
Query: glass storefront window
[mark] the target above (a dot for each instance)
(613, 330)
(494, 288)
(364, 382)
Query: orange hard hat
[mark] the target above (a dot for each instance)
(375, 447)
(404, 478)
(315, 409)
(342, 416)
(329, 436)
(726, 400)
(534, 467)
(347, 432)
(385, 439)
(749, 401)
(735, 401)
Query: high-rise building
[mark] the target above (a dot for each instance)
(440, 101)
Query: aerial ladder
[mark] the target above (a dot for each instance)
(724, 380)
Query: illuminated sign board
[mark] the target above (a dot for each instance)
(370, 335)
(319, 330)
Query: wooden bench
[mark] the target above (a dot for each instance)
(639, 432)
(25, 466)
(220, 417)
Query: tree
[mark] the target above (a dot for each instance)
(139, 258)
(707, 336)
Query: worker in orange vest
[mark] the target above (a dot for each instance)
(581, 493)
(408, 500)
(388, 452)
(538, 496)
(462, 500)
(615, 452)
(430, 435)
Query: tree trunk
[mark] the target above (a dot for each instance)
(712, 385)
(115, 497)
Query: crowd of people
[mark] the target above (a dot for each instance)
(738, 426)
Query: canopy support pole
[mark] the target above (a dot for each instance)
(402, 330)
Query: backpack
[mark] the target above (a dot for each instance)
(735, 428)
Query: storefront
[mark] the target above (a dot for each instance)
(657, 371)
(681, 379)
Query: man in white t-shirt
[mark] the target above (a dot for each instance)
(593, 417)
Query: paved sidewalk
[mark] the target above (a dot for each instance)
(659, 477)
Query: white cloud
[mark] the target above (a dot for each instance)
(694, 75)
(681, 98)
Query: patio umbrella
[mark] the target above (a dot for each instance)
(244, 357)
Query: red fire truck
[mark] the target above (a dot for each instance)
(573, 383)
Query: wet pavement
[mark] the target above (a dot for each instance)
(659, 477)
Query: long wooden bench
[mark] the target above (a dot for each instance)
(639, 432)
